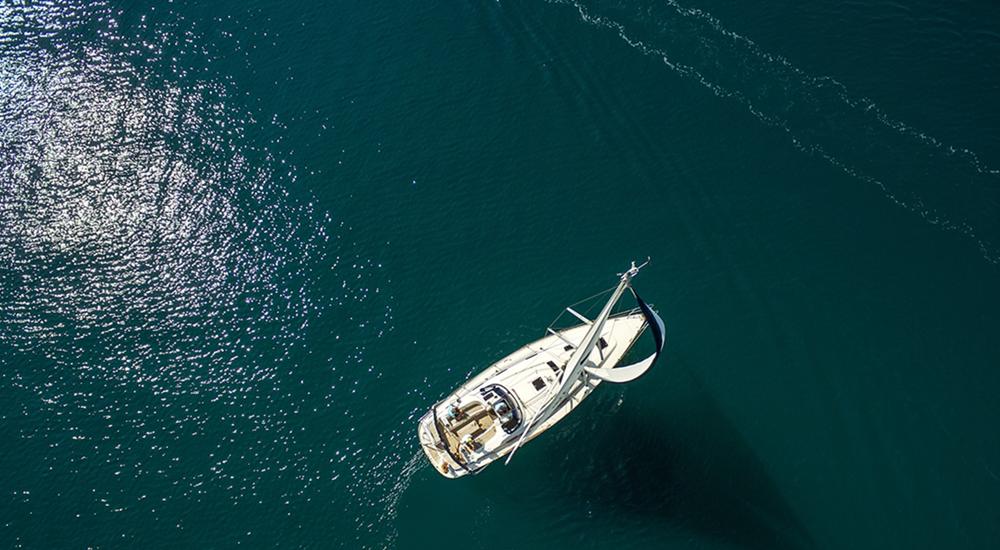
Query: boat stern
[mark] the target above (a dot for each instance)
(436, 448)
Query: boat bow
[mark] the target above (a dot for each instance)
(576, 366)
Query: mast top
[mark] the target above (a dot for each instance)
(634, 270)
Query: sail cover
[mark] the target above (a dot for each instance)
(631, 372)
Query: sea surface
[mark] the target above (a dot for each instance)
(244, 245)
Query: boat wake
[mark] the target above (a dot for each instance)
(391, 500)
(946, 185)
(379, 483)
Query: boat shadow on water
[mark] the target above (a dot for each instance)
(689, 466)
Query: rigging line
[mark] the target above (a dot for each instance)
(563, 312)
(594, 296)
(547, 351)
(530, 424)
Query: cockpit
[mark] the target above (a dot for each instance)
(503, 406)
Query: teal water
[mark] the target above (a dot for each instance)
(245, 245)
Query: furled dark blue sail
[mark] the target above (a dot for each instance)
(655, 324)
(629, 373)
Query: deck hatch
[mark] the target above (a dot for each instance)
(538, 383)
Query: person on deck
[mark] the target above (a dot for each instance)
(503, 411)
(453, 413)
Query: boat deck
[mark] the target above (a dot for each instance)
(528, 374)
(475, 420)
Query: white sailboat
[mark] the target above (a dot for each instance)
(522, 395)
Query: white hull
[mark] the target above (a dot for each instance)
(526, 377)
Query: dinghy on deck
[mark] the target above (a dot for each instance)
(519, 397)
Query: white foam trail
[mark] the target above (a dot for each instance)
(399, 486)
(814, 86)
(862, 102)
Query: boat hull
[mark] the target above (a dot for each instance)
(521, 373)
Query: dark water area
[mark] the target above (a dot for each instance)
(245, 245)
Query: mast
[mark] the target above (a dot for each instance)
(574, 367)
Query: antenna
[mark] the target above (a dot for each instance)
(634, 270)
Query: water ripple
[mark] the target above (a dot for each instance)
(159, 276)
